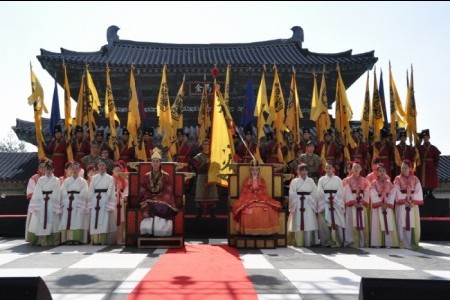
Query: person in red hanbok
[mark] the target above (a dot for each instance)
(255, 212)
(57, 150)
(405, 152)
(80, 146)
(384, 151)
(427, 171)
(156, 200)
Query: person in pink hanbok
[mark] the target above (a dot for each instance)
(408, 198)
(356, 197)
(383, 226)
(121, 185)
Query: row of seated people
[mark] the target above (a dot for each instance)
(74, 210)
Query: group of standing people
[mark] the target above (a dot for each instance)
(72, 209)
(357, 211)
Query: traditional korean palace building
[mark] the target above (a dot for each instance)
(195, 62)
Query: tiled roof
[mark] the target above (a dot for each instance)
(18, 166)
(444, 168)
(283, 52)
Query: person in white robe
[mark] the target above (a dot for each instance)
(302, 221)
(30, 190)
(102, 205)
(74, 192)
(383, 232)
(45, 208)
(357, 200)
(408, 198)
(331, 208)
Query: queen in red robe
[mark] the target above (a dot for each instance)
(255, 212)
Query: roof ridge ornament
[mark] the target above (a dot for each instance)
(297, 34)
(111, 34)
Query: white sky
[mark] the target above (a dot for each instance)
(403, 32)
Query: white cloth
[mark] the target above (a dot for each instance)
(79, 203)
(331, 183)
(106, 204)
(310, 205)
(37, 206)
(156, 226)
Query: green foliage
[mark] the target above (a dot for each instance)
(12, 144)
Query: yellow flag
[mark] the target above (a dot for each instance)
(93, 102)
(343, 116)
(110, 113)
(398, 115)
(365, 115)
(177, 108)
(204, 119)
(67, 110)
(377, 110)
(323, 123)
(134, 120)
(37, 100)
(411, 112)
(261, 106)
(164, 113)
(81, 116)
(221, 141)
(315, 109)
(293, 113)
(276, 107)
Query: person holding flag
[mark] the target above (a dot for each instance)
(206, 195)
(57, 150)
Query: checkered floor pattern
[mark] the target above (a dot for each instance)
(111, 272)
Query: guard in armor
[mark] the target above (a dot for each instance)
(205, 195)
(93, 157)
(312, 161)
(57, 150)
(126, 153)
(80, 146)
(429, 164)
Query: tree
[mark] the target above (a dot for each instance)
(12, 144)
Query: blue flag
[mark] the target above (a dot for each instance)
(383, 101)
(249, 104)
(55, 116)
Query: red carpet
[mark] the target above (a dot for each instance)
(197, 272)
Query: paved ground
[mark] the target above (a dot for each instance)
(111, 272)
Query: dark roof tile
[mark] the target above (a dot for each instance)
(18, 166)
